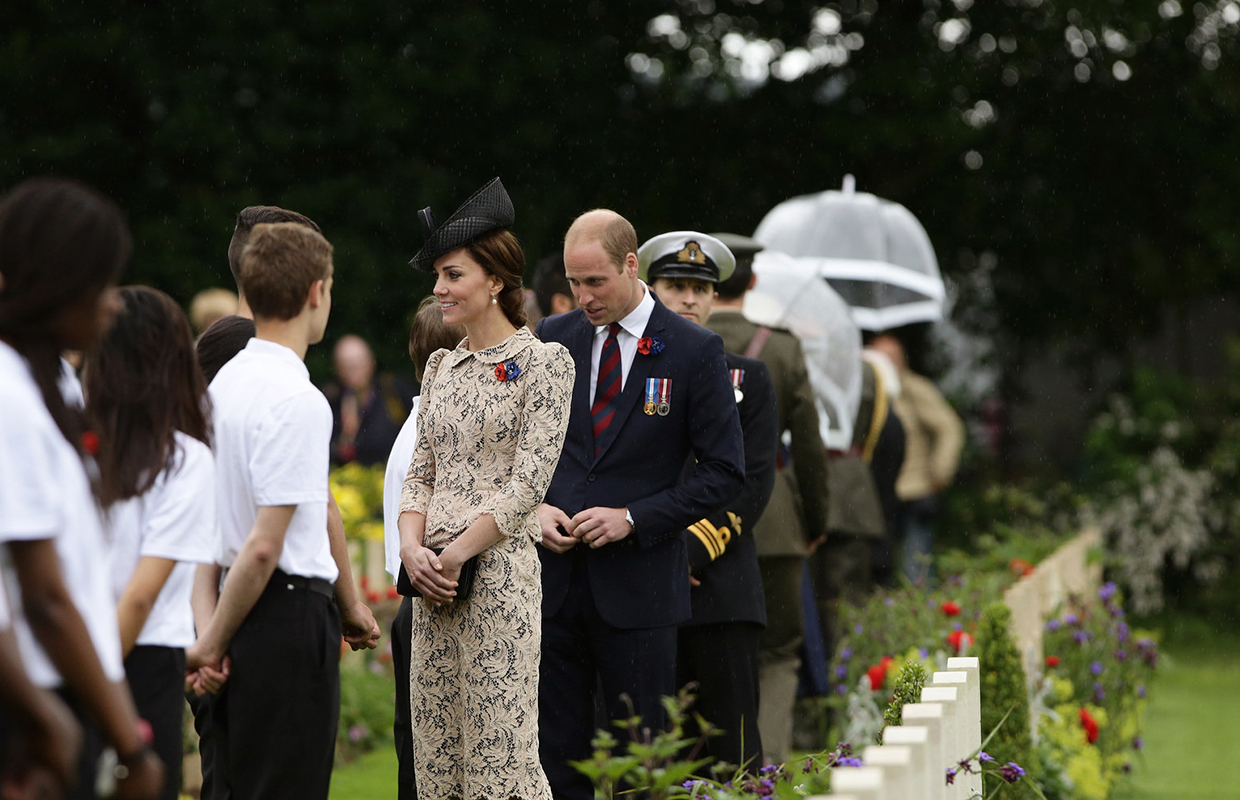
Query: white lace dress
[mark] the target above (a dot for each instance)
(485, 446)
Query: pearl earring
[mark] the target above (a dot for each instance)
(493, 300)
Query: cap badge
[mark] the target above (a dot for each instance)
(691, 254)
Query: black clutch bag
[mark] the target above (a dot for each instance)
(464, 582)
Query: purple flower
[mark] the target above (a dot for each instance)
(1141, 690)
(1070, 619)
(841, 672)
(1081, 637)
(858, 629)
(849, 761)
(889, 602)
(923, 652)
(1137, 743)
(956, 626)
(770, 768)
(1145, 643)
(1099, 693)
(1107, 591)
(1096, 668)
(1052, 624)
(1115, 611)
(984, 756)
(951, 776)
(357, 733)
(1121, 654)
(1121, 632)
(841, 689)
(846, 654)
(1011, 772)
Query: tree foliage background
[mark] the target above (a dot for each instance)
(1074, 162)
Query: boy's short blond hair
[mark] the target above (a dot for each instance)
(279, 265)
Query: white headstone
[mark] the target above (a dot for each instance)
(973, 709)
(953, 751)
(897, 765)
(863, 783)
(930, 717)
(917, 739)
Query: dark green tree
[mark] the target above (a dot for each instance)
(1004, 693)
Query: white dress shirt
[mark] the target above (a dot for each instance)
(631, 329)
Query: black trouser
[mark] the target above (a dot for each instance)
(156, 677)
(402, 730)
(580, 650)
(205, 728)
(723, 658)
(275, 720)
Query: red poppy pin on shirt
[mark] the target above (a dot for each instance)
(650, 345)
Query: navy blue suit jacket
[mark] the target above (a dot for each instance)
(642, 580)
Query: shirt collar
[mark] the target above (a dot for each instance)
(635, 322)
(266, 348)
(504, 351)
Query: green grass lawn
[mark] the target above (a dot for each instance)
(371, 777)
(1193, 722)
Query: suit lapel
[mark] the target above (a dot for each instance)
(580, 341)
(634, 391)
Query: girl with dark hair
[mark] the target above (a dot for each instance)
(146, 400)
(62, 246)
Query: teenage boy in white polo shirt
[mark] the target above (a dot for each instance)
(275, 719)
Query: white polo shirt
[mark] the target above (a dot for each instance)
(393, 483)
(174, 519)
(273, 428)
(45, 494)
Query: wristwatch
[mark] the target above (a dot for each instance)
(628, 517)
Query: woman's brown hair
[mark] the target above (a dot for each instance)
(143, 384)
(500, 254)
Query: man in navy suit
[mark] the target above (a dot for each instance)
(652, 390)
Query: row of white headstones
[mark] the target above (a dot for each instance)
(933, 737)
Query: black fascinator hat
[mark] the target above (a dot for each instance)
(490, 208)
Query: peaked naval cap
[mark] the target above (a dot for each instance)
(685, 254)
(488, 209)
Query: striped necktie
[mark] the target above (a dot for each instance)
(609, 374)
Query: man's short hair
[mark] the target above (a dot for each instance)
(738, 282)
(429, 333)
(279, 265)
(617, 236)
(550, 280)
(258, 215)
(209, 305)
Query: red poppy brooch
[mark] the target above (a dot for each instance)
(650, 345)
(508, 371)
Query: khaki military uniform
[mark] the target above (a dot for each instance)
(795, 516)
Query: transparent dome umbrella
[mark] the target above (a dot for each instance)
(790, 294)
(872, 251)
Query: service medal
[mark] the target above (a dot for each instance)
(665, 396)
(652, 395)
(738, 377)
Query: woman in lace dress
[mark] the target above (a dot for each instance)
(492, 422)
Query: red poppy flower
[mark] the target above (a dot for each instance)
(950, 609)
(365, 581)
(959, 640)
(877, 675)
(500, 372)
(1020, 566)
(1090, 725)
(392, 593)
(90, 442)
(1052, 661)
(372, 596)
